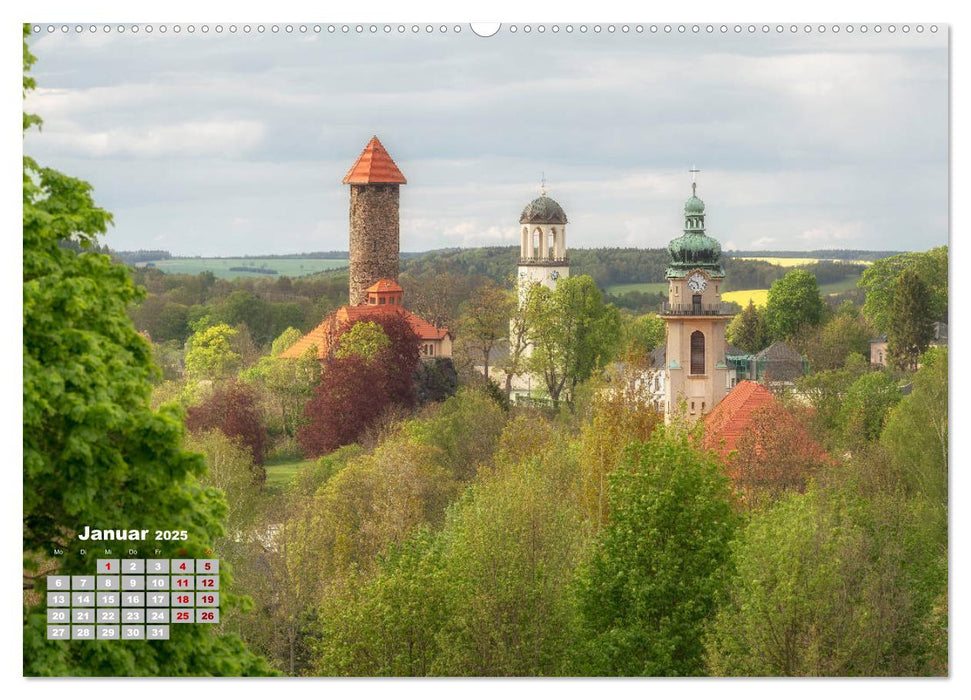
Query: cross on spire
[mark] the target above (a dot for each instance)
(694, 183)
(542, 188)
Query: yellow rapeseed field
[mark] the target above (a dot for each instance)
(793, 262)
(759, 296)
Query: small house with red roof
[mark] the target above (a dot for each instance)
(383, 297)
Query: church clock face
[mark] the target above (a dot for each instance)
(697, 282)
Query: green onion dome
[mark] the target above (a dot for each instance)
(543, 210)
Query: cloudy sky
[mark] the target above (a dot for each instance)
(226, 144)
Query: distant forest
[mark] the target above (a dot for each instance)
(436, 283)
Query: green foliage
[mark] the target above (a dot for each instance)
(793, 305)
(484, 322)
(308, 480)
(646, 332)
(915, 435)
(463, 430)
(210, 355)
(486, 596)
(574, 333)
(94, 452)
(365, 339)
(386, 625)
(865, 406)
(284, 386)
(880, 282)
(287, 338)
(229, 468)
(830, 585)
(826, 392)
(660, 566)
(830, 344)
(511, 548)
(748, 330)
(911, 327)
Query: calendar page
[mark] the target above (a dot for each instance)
(367, 349)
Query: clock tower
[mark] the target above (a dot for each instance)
(542, 249)
(696, 376)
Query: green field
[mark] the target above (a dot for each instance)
(291, 267)
(643, 287)
(279, 476)
(843, 285)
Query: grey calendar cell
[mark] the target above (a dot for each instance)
(59, 631)
(82, 632)
(108, 615)
(108, 600)
(82, 583)
(83, 599)
(58, 616)
(207, 617)
(207, 583)
(133, 583)
(205, 599)
(58, 600)
(183, 617)
(157, 583)
(157, 566)
(108, 583)
(108, 566)
(157, 632)
(133, 631)
(182, 583)
(134, 599)
(183, 566)
(133, 566)
(82, 615)
(157, 617)
(58, 583)
(157, 600)
(207, 566)
(182, 600)
(107, 632)
(133, 617)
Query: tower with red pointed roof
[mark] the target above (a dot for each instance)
(374, 223)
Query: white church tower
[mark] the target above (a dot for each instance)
(542, 254)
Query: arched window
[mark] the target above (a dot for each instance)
(537, 233)
(697, 353)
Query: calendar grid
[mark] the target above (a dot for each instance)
(132, 599)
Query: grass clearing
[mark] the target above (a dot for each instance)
(279, 475)
(291, 267)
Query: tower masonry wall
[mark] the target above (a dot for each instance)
(374, 237)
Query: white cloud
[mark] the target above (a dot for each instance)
(189, 139)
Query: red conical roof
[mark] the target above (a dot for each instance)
(374, 166)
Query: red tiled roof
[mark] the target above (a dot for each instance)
(324, 335)
(374, 165)
(385, 285)
(733, 414)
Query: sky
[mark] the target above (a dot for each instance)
(236, 143)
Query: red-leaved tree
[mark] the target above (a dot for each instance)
(231, 408)
(354, 392)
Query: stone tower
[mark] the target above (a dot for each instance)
(374, 241)
(696, 374)
(542, 250)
